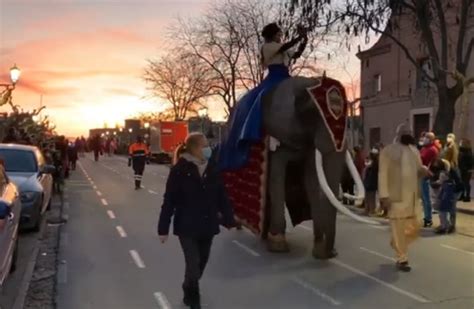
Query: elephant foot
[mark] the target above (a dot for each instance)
(277, 243)
(321, 253)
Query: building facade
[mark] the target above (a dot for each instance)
(396, 91)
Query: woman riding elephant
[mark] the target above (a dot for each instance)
(245, 126)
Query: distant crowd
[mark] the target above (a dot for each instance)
(450, 164)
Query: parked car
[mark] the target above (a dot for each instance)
(26, 167)
(10, 208)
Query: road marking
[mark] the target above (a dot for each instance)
(121, 231)
(94, 187)
(316, 291)
(379, 227)
(418, 298)
(162, 300)
(301, 226)
(104, 202)
(62, 272)
(378, 254)
(152, 192)
(92, 183)
(245, 248)
(111, 214)
(137, 259)
(99, 193)
(457, 249)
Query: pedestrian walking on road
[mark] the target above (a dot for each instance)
(139, 155)
(400, 169)
(371, 183)
(195, 195)
(429, 154)
(466, 164)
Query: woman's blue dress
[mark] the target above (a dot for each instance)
(245, 125)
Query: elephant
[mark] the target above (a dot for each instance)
(304, 168)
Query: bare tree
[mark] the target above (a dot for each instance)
(228, 39)
(180, 79)
(432, 19)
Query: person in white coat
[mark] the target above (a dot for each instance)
(400, 171)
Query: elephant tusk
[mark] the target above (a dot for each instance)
(357, 179)
(330, 195)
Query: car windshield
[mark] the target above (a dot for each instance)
(19, 161)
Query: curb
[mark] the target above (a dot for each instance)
(25, 282)
(466, 211)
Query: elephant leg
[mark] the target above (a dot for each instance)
(323, 212)
(313, 192)
(276, 186)
(333, 165)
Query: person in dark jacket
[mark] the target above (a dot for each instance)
(466, 164)
(196, 197)
(371, 182)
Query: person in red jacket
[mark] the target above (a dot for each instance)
(429, 154)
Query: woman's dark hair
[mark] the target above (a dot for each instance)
(270, 30)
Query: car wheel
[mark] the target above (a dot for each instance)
(14, 257)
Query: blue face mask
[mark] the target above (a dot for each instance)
(207, 152)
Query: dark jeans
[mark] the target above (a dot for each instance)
(138, 169)
(196, 254)
(347, 187)
(466, 180)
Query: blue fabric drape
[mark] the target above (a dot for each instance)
(245, 126)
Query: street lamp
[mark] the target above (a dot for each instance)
(130, 130)
(146, 125)
(15, 73)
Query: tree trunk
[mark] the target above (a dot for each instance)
(444, 120)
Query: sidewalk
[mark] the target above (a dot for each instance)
(467, 208)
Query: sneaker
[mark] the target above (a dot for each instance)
(428, 223)
(467, 200)
(451, 230)
(403, 266)
(440, 230)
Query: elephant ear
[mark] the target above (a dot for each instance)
(306, 111)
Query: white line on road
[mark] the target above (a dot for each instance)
(99, 193)
(378, 254)
(152, 192)
(379, 227)
(111, 214)
(316, 291)
(121, 231)
(418, 298)
(245, 248)
(137, 259)
(457, 249)
(62, 272)
(92, 183)
(162, 300)
(104, 202)
(94, 187)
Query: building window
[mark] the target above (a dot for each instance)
(378, 83)
(421, 78)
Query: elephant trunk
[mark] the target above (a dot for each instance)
(330, 195)
(357, 179)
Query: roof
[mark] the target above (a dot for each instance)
(18, 147)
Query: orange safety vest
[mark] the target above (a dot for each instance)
(137, 150)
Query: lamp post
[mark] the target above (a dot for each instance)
(202, 113)
(15, 73)
(146, 125)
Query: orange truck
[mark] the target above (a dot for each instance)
(165, 136)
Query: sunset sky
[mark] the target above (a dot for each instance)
(86, 57)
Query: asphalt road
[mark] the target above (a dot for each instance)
(110, 257)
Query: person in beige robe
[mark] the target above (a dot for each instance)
(400, 171)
